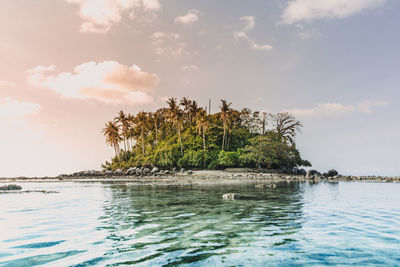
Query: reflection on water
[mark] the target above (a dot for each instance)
(294, 224)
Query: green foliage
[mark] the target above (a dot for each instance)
(184, 135)
(228, 159)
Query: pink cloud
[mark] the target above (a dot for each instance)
(107, 81)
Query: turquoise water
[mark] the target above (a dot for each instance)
(346, 223)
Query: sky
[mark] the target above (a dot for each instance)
(68, 66)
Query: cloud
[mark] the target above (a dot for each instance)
(242, 34)
(309, 10)
(13, 109)
(165, 43)
(100, 15)
(190, 67)
(337, 109)
(7, 83)
(191, 17)
(107, 81)
(14, 118)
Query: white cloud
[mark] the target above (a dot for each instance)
(242, 34)
(13, 109)
(14, 119)
(308, 10)
(100, 15)
(107, 81)
(337, 109)
(190, 67)
(168, 43)
(7, 83)
(191, 17)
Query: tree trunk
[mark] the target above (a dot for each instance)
(180, 140)
(204, 148)
(223, 139)
(143, 143)
(155, 125)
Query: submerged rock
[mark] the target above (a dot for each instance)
(10, 187)
(231, 196)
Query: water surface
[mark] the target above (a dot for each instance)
(89, 224)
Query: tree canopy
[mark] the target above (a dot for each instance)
(184, 135)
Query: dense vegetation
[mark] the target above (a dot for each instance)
(184, 135)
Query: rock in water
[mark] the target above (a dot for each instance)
(10, 187)
(310, 173)
(332, 173)
(231, 196)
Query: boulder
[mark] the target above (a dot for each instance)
(167, 172)
(146, 171)
(182, 170)
(10, 187)
(154, 170)
(189, 172)
(231, 196)
(310, 173)
(332, 173)
(273, 186)
(302, 172)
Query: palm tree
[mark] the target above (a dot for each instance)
(225, 117)
(141, 122)
(176, 117)
(111, 132)
(286, 126)
(193, 110)
(123, 121)
(202, 124)
(186, 103)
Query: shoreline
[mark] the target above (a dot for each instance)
(202, 177)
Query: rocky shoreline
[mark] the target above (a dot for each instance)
(183, 177)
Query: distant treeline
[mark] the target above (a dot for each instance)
(185, 135)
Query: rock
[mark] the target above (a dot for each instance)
(332, 173)
(182, 170)
(174, 169)
(310, 173)
(155, 169)
(260, 185)
(189, 172)
(318, 175)
(302, 172)
(146, 170)
(167, 172)
(273, 186)
(231, 196)
(325, 175)
(10, 187)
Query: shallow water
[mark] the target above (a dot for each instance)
(345, 223)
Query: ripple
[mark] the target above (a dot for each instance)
(113, 225)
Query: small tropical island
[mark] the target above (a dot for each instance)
(184, 135)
